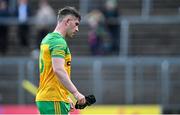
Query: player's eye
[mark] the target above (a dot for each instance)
(77, 24)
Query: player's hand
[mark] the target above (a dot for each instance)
(90, 99)
(80, 98)
(71, 105)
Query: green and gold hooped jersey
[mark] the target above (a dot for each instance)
(50, 88)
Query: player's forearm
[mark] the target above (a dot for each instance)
(64, 79)
(58, 67)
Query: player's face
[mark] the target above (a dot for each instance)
(73, 27)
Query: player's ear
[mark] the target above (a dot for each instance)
(67, 21)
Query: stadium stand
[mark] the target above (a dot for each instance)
(154, 39)
(139, 32)
(165, 7)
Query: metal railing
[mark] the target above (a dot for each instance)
(27, 67)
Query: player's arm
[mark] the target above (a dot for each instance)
(58, 67)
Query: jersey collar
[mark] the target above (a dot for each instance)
(56, 32)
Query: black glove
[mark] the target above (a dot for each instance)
(90, 99)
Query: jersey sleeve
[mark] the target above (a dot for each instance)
(58, 48)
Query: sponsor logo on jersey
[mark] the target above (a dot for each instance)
(69, 63)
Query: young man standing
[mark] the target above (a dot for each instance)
(55, 66)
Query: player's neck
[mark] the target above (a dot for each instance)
(60, 30)
(55, 31)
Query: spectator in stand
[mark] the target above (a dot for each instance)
(45, 17)
(97, 32)
(23, 13)
(3, 27)
(111, 14)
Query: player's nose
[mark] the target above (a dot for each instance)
(77, 29)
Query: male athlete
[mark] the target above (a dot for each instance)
(55, 66)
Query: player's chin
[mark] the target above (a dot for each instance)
(72, 36)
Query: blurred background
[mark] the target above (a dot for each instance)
(126, 53)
